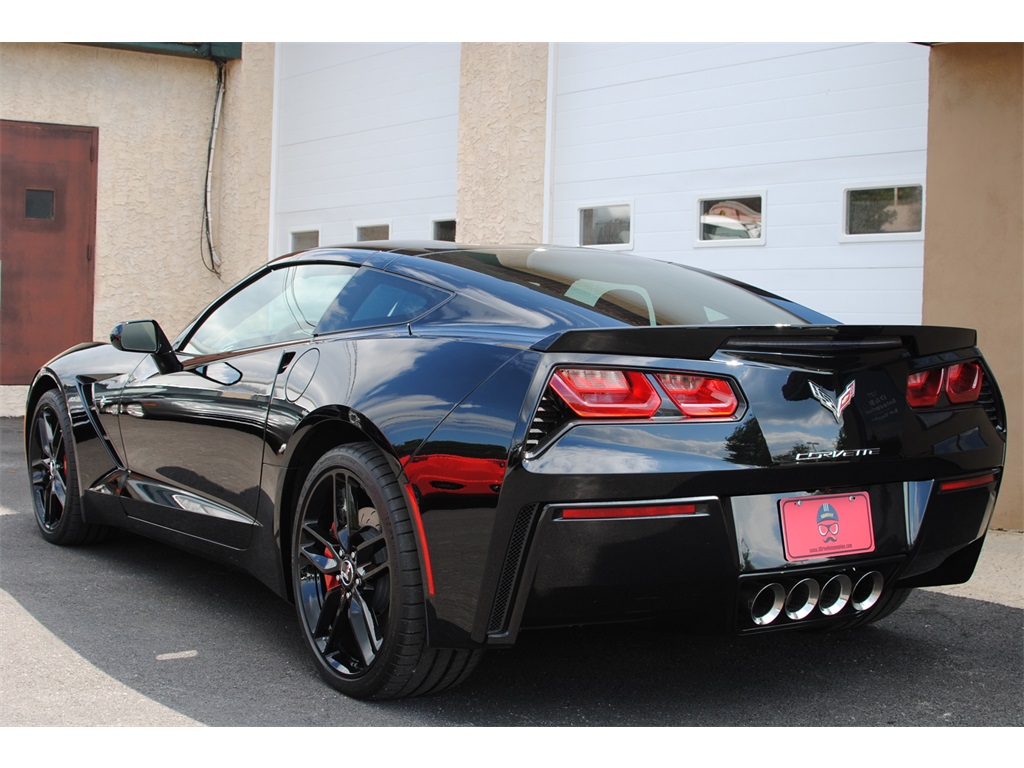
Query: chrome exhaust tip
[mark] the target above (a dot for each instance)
(802, 599)
(866, 591)
(767, 604)
(835, 594)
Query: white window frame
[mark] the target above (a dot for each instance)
(627, 246)
(292, 231)
(876, 237)
(356, 226)
(739, 242)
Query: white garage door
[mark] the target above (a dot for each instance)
(799, 168)
(365, 141)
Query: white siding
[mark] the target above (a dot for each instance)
(660, 125)
(365, 134)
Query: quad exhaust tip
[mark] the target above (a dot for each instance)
(866, 591)
(802, 598)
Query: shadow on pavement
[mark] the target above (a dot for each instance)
(940, 660)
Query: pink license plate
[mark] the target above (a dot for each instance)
(827, 526)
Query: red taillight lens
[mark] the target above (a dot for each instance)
(923, 388)
(963, 382)
(603, 393)
(699, 396)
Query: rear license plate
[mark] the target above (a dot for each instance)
(827, 526)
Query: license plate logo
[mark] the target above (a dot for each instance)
(827, 526)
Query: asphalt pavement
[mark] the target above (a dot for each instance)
(132, 632)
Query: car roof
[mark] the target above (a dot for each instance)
(577, 275)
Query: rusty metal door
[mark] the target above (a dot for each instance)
(47, 240)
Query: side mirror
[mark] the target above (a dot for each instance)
(145, 336)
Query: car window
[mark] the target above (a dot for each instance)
(374, 298)
(285, 304)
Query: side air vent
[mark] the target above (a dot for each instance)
(987, 401)
(551, 414)
(511, 567)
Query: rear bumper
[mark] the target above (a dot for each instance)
(707, 569)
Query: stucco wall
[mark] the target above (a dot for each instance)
(154, 115)
(974, 247)
(502, 125)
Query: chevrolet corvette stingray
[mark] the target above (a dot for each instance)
(430, 448)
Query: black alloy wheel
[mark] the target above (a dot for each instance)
(357, 582)
(53, 474)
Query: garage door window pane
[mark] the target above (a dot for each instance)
(732, 218)
(445, 230)
(605, 225)
(883, 210)
(302, 241)
(373, 232)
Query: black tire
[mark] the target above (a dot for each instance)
(53, 473)
(357, 582)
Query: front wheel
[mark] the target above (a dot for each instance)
(53, 473)
(357, 582)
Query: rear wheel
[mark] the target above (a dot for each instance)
(357, 582)
(53, 473)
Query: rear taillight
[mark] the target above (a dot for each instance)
(699, 396)
(960, 382)
(610, 393)
(603, 393)
(963, 382)
(924, 387)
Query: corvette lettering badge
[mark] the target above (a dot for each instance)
(835, 407)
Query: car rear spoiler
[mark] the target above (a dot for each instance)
(699, 342)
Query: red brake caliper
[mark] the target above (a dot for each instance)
(330, 582)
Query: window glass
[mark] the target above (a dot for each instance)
(373, 298)
(373, 232)
(731, 218)
(283, 305)
(444, 230)
(38, 203)
(605, 225)
(633, 291)
(883, 210)
(303, 241)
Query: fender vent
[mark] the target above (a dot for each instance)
(551, 414)
(987, 401)
(511, 568)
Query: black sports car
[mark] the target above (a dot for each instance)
(430, 448)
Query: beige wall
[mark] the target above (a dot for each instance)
(502, 131)
(974, 248)
(154, 114)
